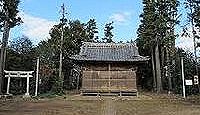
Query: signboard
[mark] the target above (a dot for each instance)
(196, 81)
(188, 82)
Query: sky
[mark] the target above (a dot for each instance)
(40, 15)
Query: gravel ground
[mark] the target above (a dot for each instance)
(85, 105)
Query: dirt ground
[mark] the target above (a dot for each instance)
(83, 105)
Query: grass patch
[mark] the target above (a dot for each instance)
(48, 95)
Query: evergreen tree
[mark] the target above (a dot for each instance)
(146, 34)
(20, 57)
(23, 55)
(91, 30)
(8, 19)
(75, 32)
(193, 16)
(156, 32)
(108, 33)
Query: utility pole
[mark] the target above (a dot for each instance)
(37, 77)
(183, 76)
(63, 19)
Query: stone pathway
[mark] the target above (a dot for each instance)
(108, 107)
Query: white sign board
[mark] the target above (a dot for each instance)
(188, 82)
(196, 81)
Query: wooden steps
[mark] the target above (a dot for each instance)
(108, 93)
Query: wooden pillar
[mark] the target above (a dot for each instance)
(109, 84)
(27, 85)
(78, 80)
(8, 86)
(91, 75)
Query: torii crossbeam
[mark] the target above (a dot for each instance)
(22, 74)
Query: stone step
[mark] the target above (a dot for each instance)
(109, 94)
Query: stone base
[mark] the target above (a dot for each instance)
(6, 96)
(26, 95)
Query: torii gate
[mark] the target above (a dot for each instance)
(22, 74)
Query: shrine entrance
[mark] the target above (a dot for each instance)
(15, 74)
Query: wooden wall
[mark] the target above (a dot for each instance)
(109, 77)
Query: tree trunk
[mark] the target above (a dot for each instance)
(3, 52)
(168, 72)
(153, 69)
(162, 60)
(158, 70)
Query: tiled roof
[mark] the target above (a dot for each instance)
(109, 52)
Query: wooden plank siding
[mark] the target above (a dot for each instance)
(124, 80)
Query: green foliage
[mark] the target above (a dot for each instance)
(8, 12)
(157, 27)
(22, 45)
(158, 20)
(75, 32)
(189, 71)
(20, 57)
(193, 18)
(108, 33)
(56, 83)
(91, 30)
(144, 76)
(8, 19)
(48, 95)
